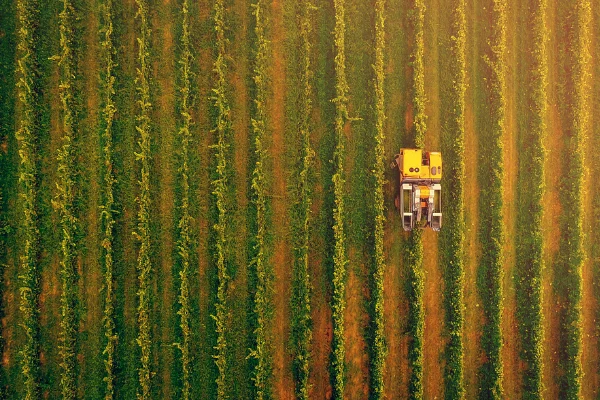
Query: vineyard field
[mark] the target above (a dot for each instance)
(196, 199)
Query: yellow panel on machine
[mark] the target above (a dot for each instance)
(419, 199)
(414, 165)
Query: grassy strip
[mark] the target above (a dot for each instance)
(571, 194)
(220, 192)
(453, 234)
(413, 256)
(339, 257)
(107, 217)
(378, 342)
(262, 301)
(8, 23)
(144, 339)
(27, 137)
(528, 275)
(301, 307)
(65, 205)
(491, 223)
(185, 221)
(595, 143)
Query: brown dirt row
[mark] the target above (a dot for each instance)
(166, 130)
(238, 301)
(91, 282)
(49, 276)
(319, 379)
(203, 138)
(395, 304)
(433, 342)
(552, 211)
(129, 217)
(357, 358)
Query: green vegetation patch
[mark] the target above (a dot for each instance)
(262, 270)
(65, 204)
(340, 261)
(221, 183)
(107, 217)
(452, 239)
(378, 347)
(143, 128)
(27, 137)
(301, 319)
(491, 232)
(184, 243)
(571, 253)
(413, 247)
(529, 265)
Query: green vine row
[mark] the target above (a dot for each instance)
(144, 339)
(453, 233)
(27, 138)
(107, 210)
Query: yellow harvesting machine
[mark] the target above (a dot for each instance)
(419, 199)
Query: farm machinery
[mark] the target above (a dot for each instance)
(419, 199)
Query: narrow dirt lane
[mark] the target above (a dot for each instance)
(282, 259)
(433, 343)
(552, 212)
(473, 309)
(166, 129)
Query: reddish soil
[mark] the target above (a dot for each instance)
(473, 310)
(50, 289)
(357, 358)
(91, 277)
(551, 225)
(282, 260)
(395, 310)
(552, 210)
(322, 334)
(433, 343)
(164, 72)
(434, 320)
(319, 379)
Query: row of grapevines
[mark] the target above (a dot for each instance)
(220, 190)
(453, 234)
(571, 254)
(27, 137)
(65, 205)
(492, 225)
(7, 122)
(301, 307)
(529, 266)
(595, 144)
(339, 257)
(144, 339)
(413, 257)
(107, 217)
(261, 374)
(184, 225)
(378, 345)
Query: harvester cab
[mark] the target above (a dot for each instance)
(419, 199)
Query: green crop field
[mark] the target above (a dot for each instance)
(196, 200)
